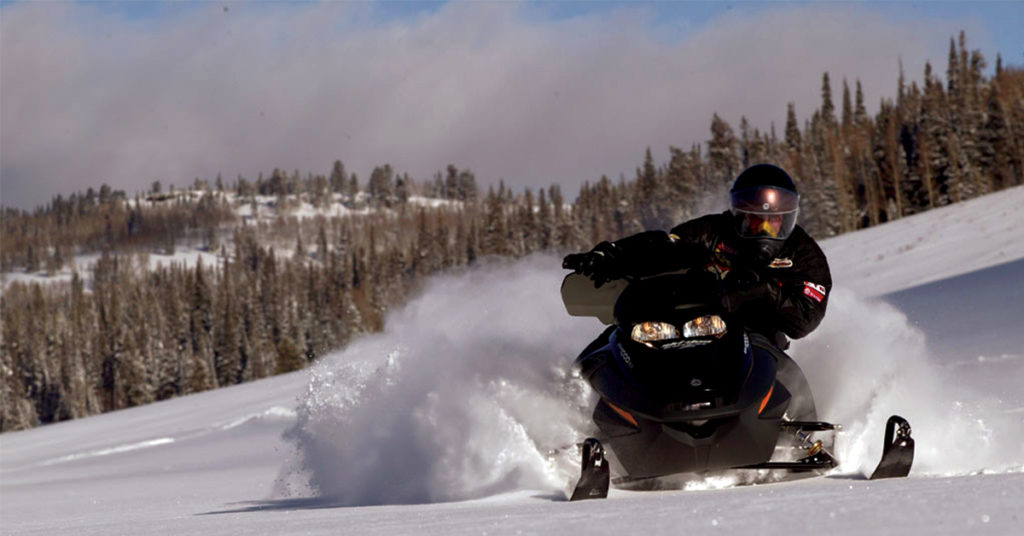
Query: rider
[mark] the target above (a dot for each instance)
(774, 276)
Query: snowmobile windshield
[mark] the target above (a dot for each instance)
(765, 212)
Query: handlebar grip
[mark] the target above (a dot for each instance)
(573, 261)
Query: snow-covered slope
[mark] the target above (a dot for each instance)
(445, 420)
(932, 246)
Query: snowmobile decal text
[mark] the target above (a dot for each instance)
(814, 292)
(625, 356)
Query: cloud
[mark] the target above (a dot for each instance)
(88, 96)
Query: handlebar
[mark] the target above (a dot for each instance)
(574, 262)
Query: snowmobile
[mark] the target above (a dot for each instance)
(685, 388)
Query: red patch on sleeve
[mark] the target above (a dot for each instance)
(814, 292)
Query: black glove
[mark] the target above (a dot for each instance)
(574, 262)
(740, 280)
(601, 264)
(740, 287)
(604, 263)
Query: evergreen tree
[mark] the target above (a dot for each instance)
(793, 138)
(495, 234)
(300, 248)
(466, 189)
(32, 260)
(545, 222)
(111, 345)
(994, 149)
(382, 186)
(683, 188)
(451, 183)
(402, 186)
(847, 106)
(353, 188)
(649, 201)
(723, 159)
(860, 114)
(828, 110)
(322, 251)
(935, 167)
(338, 180)
(200, 331)
(227, 362)
(527, 223)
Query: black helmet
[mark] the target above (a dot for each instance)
(764, 204)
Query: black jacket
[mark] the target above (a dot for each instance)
(791, 293)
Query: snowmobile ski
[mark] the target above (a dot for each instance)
(898, 452)
(594, 475)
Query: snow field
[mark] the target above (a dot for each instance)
(465, 395)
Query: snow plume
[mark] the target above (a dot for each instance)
(465, 394)
(866, 362)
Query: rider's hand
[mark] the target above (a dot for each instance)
(740, 287)
(574, 262)
(740, 280)
(601, 264)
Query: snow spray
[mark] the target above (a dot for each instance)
(467, 393)
(866, 362)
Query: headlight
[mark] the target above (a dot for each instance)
(647, 332)
(703, 326)
(657, 332)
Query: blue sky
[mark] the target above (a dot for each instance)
(1002, 19)
(132, 92)
(674, 19)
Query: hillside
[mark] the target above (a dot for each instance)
(444, 418)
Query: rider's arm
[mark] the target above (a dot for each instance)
(656, 252)
(645, 253)
(801, 297)
(698, 233)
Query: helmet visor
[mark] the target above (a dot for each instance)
(765, 212)
(765, 225)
